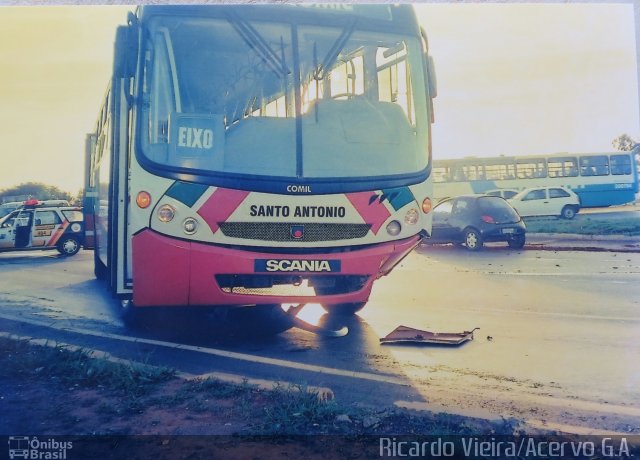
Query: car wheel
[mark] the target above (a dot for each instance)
(68, 246)
(568, 212)
(516, 242)
(472, 240)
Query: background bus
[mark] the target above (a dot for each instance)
(599, 179)
(261, 155)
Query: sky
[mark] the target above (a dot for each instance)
(512, 79)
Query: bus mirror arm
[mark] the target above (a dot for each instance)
(429, 67)
(126, 48)
(432, 83)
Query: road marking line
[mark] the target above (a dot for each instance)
(550, 313)
(559, 274)
(538, 400)
(324, 393)
(572, 429)
(220, 353)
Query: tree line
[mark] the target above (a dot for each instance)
(38, 191)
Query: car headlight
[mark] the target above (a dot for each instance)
(166, 213)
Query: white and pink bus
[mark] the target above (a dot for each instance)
(253, 156)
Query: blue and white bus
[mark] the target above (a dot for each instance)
(599, 179)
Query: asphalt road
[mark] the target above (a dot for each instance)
(557, 346)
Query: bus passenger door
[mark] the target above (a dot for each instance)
(7, 231)
(23, 226)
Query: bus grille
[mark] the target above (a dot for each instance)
(299, 286)
(279, 231)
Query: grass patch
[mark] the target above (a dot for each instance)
(76, 367)
(297, 409)
(585, 225)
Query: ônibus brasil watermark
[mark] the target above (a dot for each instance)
(38, 449)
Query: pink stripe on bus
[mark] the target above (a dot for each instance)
(220, 206)
(373, 213)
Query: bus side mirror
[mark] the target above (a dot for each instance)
(431, 75)
(126, 49)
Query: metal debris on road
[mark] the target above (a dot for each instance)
(404, 334)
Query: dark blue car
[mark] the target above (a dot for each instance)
(472, 220)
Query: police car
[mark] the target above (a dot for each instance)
(43, 225)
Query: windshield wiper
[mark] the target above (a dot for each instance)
(337, 47)
(257, 42)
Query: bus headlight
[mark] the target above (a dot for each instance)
(393, 228)
(190, 225)
(166, 213)
(411, 217)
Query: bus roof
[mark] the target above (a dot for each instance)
(398, 17)
(514, 158)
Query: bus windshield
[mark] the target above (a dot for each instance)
(312, 101)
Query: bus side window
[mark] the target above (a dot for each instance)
(594, 166)
(620, 165)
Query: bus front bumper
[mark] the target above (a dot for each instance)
(172, 272)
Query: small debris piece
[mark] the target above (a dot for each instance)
(404, 334)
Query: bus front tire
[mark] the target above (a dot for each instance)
(99, 269)
(257, 321)
(68, 246)
(129, 314)
(344, 309)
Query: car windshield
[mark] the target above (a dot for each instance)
(498, 209)
(268, 99)
(6, 218)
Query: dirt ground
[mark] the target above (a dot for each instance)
(113, 411)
